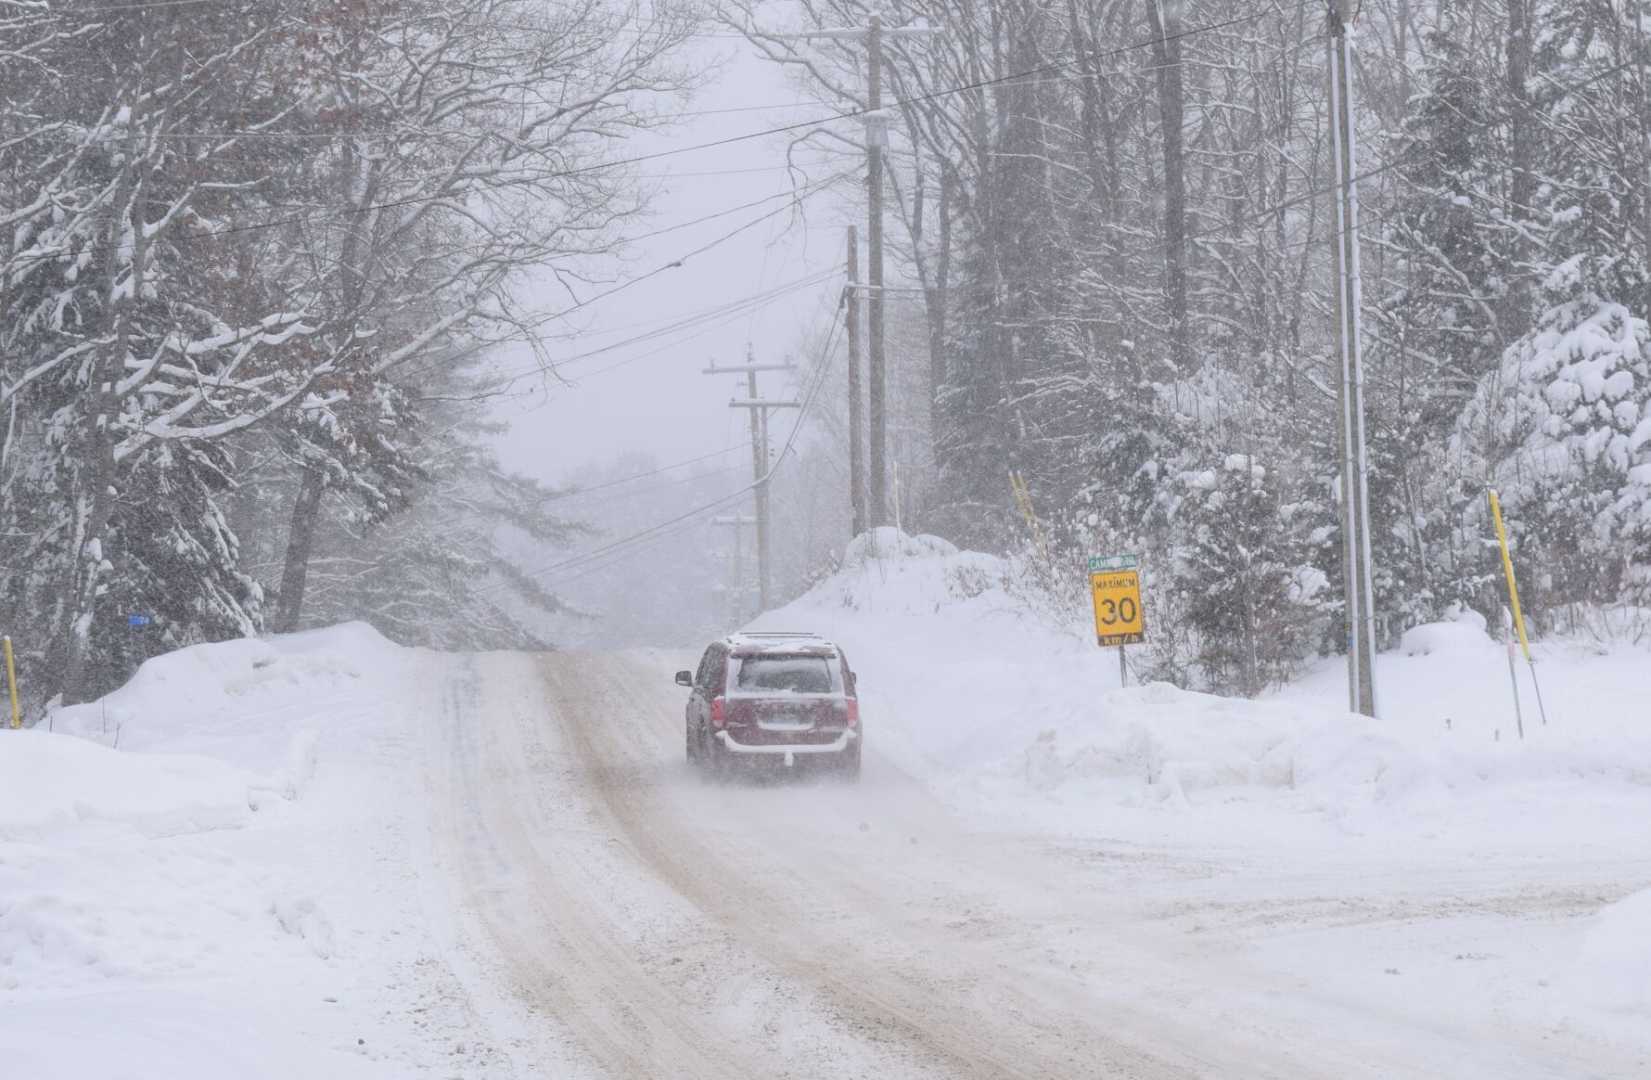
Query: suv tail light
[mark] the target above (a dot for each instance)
(853, 712)
(719, 717)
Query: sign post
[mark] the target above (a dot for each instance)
(1115, 587)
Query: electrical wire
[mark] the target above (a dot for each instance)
(390, 204)
(705, 321)
(583, 559)
(610, 560)
(95, 11)
(673, 264)
(621, 496)
(645, 475)
(724, 320)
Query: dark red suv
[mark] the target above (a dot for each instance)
(783, 700)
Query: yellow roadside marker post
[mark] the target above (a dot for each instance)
(1513, 600)
(1023, 502)
(11, 683)
(1513, 672)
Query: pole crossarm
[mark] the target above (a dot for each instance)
(746, 369)
(757, 408)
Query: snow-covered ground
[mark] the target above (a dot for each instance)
(323, 855)
(1430, 862)
(235, 890)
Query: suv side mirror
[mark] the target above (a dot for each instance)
(685, 678)
(853, 683)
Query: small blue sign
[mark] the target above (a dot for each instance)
(138, 620)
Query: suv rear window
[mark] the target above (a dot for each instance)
(793, 674)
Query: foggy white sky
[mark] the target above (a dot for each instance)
(651, 396)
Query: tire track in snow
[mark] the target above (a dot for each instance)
(615, 728)
(561, 962)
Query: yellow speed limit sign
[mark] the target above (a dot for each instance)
(1115, 585)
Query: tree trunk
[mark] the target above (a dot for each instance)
(306, 512)
(936, 305)
(94, 497)
(1171, 115)
(1100, 177)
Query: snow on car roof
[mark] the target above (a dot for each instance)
(780, 643)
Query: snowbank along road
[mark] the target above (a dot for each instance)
(618, 917)
(324, 855)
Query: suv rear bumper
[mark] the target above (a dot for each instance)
(836, 746)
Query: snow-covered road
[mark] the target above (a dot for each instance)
(613, 916)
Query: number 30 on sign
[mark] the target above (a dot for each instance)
(1119, 619)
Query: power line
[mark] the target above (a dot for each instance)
(1398, 162)
(585, 508)
(645, 475)
(612, 559)
(673, 264)
(524, 332)
(655, 531)
(92, 12)
(668, 323)
(727, 312)
(710, 319)
(656, 155)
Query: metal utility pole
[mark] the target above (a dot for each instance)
(759, 409)
(856, 437)
(1349, 300)
(877, 384)
(876, 137)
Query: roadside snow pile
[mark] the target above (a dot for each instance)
(49, 781)
(1612, 972)
(972, 692)
(254, 702)
(886, 572)
(228, 893)
(1464, 634)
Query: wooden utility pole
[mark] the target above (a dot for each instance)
(760, 469)
(856, 437)
(738, 592)
(1349, 301)
(876, 138)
